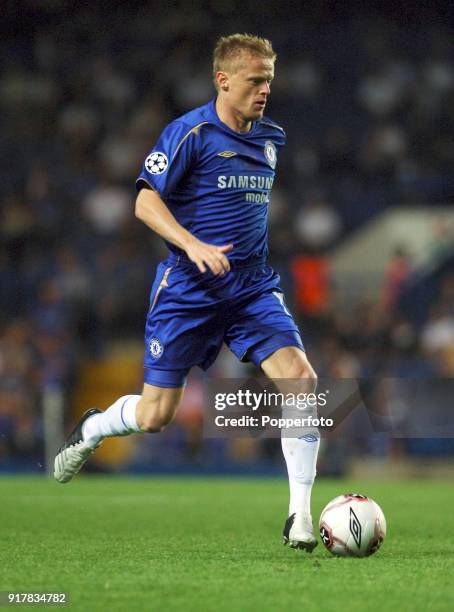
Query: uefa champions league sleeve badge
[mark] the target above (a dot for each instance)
(156, 163)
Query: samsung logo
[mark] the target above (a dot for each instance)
(245, 182)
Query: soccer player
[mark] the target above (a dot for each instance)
(205, 188)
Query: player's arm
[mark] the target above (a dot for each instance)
(151, 209)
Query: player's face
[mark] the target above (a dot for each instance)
(249, 86)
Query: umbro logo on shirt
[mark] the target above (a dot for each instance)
(226, 154)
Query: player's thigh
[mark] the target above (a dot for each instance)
(289, 362)
(183, 328)
(157, 406)
(259, 326)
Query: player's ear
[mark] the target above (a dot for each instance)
(222, 80)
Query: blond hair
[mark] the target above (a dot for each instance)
(229, 49)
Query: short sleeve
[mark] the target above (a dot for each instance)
(169, 160)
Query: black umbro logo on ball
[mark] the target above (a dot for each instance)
(355, 528)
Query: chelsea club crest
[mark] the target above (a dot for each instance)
(270, 153)
(156, 348)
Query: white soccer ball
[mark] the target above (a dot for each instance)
(352, 525)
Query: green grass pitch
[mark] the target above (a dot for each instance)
(215, 544)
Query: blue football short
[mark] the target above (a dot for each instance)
(191, 314)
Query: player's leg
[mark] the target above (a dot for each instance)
(300, 453)
(180, 332)
(262, 330)
(150, 412)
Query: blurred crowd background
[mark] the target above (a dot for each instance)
(367, 101)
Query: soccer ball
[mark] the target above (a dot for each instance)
(352, 525)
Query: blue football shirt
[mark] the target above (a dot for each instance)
(215, 181)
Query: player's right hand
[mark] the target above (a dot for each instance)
(203, 255)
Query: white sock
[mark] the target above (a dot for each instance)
(301, 459)
(118, 420)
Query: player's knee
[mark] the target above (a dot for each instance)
(303, 371)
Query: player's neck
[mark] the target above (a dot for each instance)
(232, 119)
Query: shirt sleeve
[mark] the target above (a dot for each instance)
(169, 160)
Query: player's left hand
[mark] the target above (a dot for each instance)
(203, 255)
